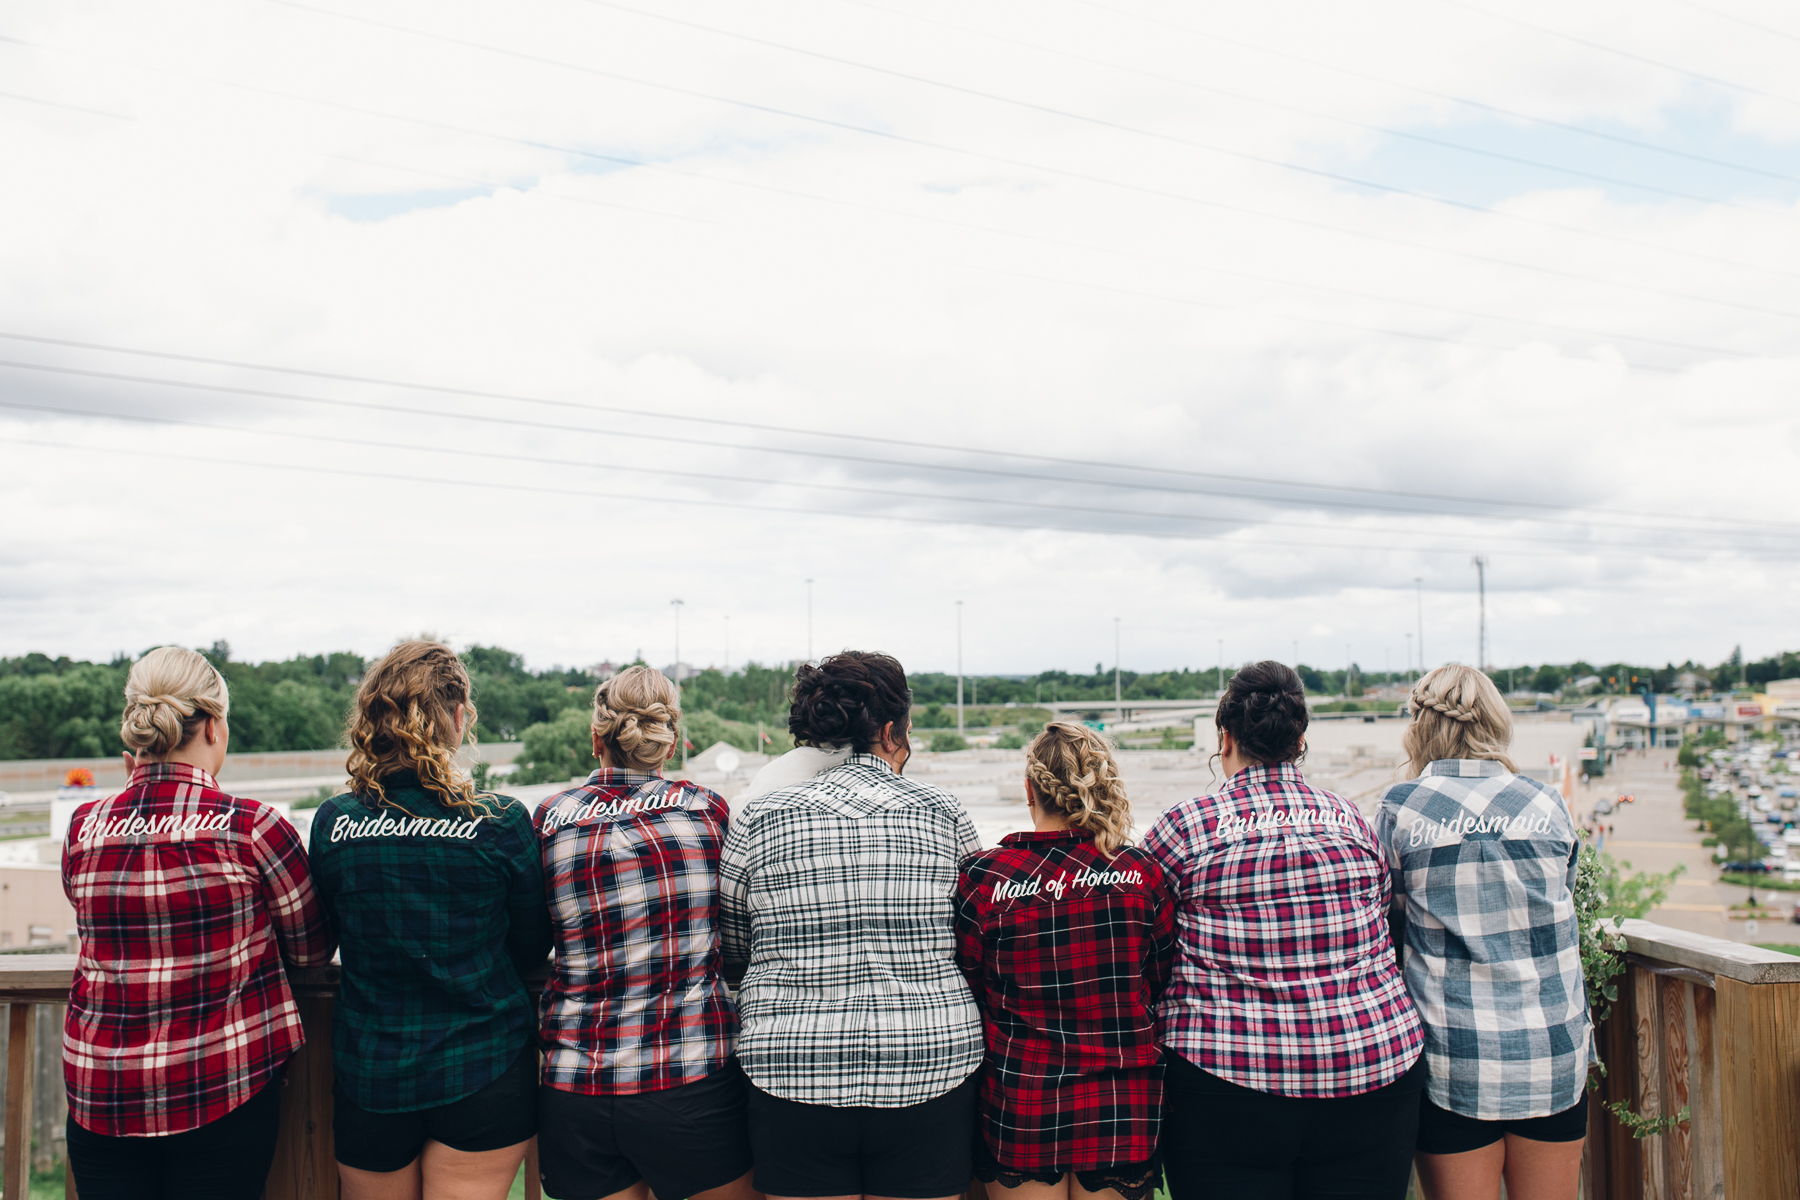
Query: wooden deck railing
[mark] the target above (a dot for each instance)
(1713, 1026)
(1701, 1022)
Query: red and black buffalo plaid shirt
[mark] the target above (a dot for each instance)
(186, 900)
(1067, 952)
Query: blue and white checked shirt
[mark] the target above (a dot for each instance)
(1485, 860)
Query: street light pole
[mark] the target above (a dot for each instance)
(1419, 583)
(1118, 694)
(680, 733)
(959, 674)
(1479, 562)
(809, 643)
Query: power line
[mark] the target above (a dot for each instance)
(1180, 197)
(1702, 77)
(1478, 105)
(1063, 172)
(1741, 528)
(968, 91)
(660, 470)
(638, 497)
(92, 112)
(1735, 19)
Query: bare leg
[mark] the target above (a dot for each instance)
(1542, 1170)
(469, 1175)
(740, 1188)
(1031, 1189)
(1471, 1175)
(358, 1184)
(1077, 1192)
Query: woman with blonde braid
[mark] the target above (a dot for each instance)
(1066, 934)
(1484, 861)
(439, 904)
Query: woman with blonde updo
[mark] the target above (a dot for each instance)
(1065, 935)
(640, 1091)
(187, 900)
(1484, 861)
(439, 900)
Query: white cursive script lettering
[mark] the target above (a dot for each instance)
(1424, 829)
(95, 828)
(350, 827)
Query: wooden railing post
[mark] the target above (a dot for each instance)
(1759, 1085)
(21, 1065)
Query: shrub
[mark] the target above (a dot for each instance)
(1011, 740)
(553, 751)
(947, 742)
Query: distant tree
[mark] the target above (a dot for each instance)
(553, 751)
(945, 742)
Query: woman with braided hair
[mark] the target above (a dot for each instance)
(1484, 864)
(438, 900)
(1293, 1068)
(640, 1091)
(1065, 934)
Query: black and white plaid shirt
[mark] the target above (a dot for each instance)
(839, 892)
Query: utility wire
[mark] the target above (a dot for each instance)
(92, 112)
(639, 498)
(1736, 20)
(1063, 172)
(832, 58)
(1743, 528)
(1223, 206)
(1478, 105)
(541, 461)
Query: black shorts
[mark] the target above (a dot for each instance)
(681, 1140)
(504, 1113)
(919, 1151)
(1444, 1132)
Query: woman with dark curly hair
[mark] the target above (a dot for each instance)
(1293, 1065)
(438, 898)
(858, 1033)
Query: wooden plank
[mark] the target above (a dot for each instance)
(37, 977)
(1759, 1088)
(1648, 1097)
(1678, 1161)
(15, 1162)
(1708, 1125)
(304, 1167)
(1618, 1050)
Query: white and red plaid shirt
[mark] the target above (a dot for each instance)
(1285, 980)
(187, 900)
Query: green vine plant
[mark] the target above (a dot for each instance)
(1604, 897)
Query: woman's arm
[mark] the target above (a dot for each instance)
(1159, 949)
(529, 934)
(971, 958)
(303, 929)
(734, 900)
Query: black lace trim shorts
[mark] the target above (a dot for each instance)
(1134, 1181)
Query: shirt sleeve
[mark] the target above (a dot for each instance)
(734, 893)
(968, 841)
(1165, 844)
(1159, 955)
(970, 957)
(529, 936)
(302, 927)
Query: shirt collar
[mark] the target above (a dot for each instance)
(172, 772)
(1038, 837)
(867, 759)
(1465, 767)
(1284, 772)
(619, 777)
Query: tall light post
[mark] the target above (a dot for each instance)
(1118, 692)
(680, 733)
(959, 674)
(809, 656)
(1479, 562)
(1419, 583)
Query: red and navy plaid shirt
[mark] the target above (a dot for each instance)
(1286, 981)
(637, 1000)
(187, 900)
(1066, 952)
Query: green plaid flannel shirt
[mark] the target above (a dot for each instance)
(437, 916)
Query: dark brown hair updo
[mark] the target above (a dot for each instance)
(847, 699)
(1264, 709)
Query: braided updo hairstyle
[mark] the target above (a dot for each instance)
(404, 719)
(1264, 710)
(1457, 712)
(1072, 771)
(848, 699)
(637, 717)
(168, 696)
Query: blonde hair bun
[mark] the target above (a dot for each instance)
(637, 715)
(1073, 772)
(168, 695)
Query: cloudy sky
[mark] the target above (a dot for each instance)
(324, 324)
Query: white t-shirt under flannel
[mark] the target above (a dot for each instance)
(1485, 860)
(839, 892)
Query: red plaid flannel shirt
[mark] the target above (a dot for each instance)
(1066, 952)
(1286, 981)
(187, 900)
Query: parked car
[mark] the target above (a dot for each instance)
(1787, 792)
(1791, 837)
(1743, 867)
